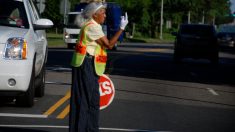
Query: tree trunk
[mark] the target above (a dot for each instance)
(133, 30)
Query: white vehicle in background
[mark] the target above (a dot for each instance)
(110, 27)
(71, 30)
(23, 51)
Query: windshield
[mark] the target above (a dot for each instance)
(197, 30)
(13, 14)
(74, 20)
(227, 28)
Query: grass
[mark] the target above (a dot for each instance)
(56, 40)
(167, 38)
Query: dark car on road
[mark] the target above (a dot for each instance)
(196, 41)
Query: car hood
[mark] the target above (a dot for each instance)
(8, 32)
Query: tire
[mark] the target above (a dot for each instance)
(40, 83)
(176, 57)
(215, 60)
(27, 100)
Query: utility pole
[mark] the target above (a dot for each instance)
(189, 15)
(161, 23)
(41, 5)
(203, 17)
(65, 10)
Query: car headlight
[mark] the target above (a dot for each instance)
(66, 35)
(16, 48)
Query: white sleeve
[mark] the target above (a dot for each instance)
(95, 32)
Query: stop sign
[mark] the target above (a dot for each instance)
(107, 91)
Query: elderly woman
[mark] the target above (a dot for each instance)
(88, 63)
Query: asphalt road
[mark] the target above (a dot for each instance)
(152, 93)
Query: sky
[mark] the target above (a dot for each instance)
(233, 5)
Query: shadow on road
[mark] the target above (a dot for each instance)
(157, 65)
(8, 129)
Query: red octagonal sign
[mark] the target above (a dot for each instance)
(107, 91)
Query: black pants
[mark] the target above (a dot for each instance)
(85, 97)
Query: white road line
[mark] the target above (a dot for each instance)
(212, 91)
(60, 83)
(32, 126)
(128, 130)
(59, 69)
(66, 127)
(22, 115)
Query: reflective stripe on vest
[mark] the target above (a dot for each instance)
(80, 49)
(80, 53)
(100, 59)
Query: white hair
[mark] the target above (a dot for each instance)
(80, 20)
(92, 8)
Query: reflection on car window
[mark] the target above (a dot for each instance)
(34, 12)
(75, 20)
(71, 19)
(227, 28)
(12, 13)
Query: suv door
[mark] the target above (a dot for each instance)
(40, 41)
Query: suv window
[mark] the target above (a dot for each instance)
(71, 20)
(13, 14)
(74, 20)
(197, 30)
(227, 29)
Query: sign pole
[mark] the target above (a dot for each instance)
(161, 23)
(65, 10)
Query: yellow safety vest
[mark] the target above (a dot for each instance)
(80, 52)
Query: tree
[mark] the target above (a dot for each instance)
(52, 11)
(145, 14)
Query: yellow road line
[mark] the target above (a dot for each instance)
(64, 113)
(58, 104)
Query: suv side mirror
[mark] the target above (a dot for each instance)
(42, 24)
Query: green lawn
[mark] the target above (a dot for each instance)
(56, 40)
(167, 38)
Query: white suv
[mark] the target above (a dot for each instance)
(23, 51)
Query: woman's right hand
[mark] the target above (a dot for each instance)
(124, 21)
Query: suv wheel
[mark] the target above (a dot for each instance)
(40, 83)
(176, 57)
(215, 60)
(27, 99)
